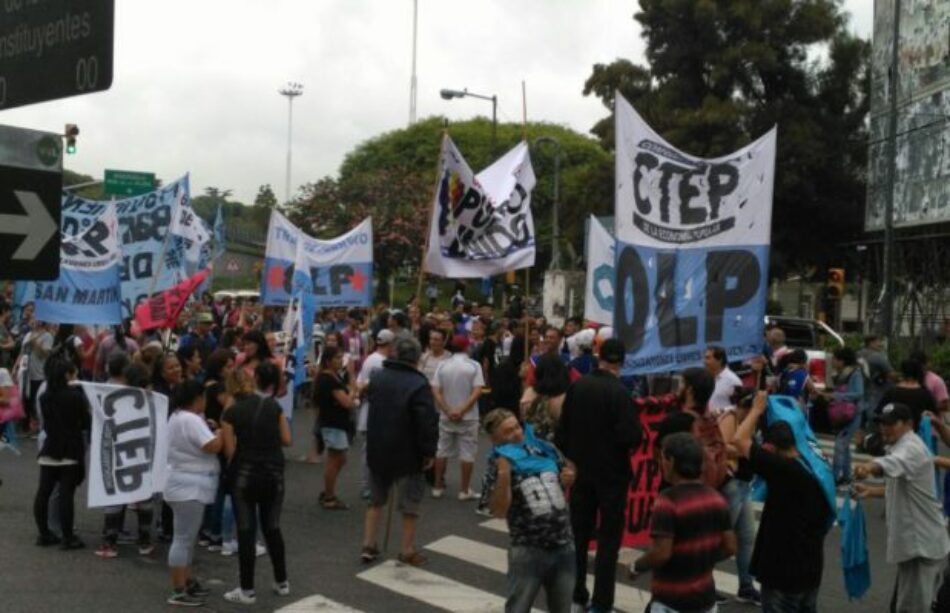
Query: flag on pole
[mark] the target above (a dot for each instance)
(193, 230)
(298, 326)
(599, 290)
(219, 238)
(481, 224)
(162, 309)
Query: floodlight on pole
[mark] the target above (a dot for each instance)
(448, 94)
(291, 91)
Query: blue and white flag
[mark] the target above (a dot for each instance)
(88, 289)
(219, 237)
(298, 324)
(339, 271)
(692, 248)
(481, 224)
(599, 290)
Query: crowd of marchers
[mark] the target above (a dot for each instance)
(405, 392)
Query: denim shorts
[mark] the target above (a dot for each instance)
(335, 439)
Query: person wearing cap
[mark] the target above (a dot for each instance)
(201, 336)
(457, 386)
(598, 429)
(373, 362)
(917, 538)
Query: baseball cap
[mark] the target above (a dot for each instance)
(385, 337)
(895, 412)
(460, 343)
(612, 351)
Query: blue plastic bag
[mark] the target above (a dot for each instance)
(855, 564)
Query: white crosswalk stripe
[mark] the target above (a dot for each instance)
(432, 589)
(317, 604)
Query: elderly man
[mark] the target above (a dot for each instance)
(402, 431)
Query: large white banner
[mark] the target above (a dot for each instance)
(481, 224)
(128, 450)
(692, 247)
(338, 271)
(599, 291)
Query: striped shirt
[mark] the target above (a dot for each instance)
(695, 517)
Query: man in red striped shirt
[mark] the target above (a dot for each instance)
(691, 532)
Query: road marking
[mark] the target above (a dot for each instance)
(498, 525)
(316, 604)
(496, 559)
(434, 590)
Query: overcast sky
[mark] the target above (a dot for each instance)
(195, 85)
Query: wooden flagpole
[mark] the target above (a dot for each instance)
(425, 246)
(527, 271)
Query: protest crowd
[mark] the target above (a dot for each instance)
(401, 394)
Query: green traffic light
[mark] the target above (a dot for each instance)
(71, 148)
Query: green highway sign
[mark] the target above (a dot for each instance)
(126, 183)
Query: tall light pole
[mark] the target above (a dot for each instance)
(412, 81)
(291, 91)
(555, 229)
(887, 315)
(448, 94)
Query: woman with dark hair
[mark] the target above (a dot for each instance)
(191, 484)
(543, 409)
(254, 430)
(65, 416)
(167, 374)
(910, 390)
(848, 388)
(118, 339)
(335, 402)
(256, 351)
(506, 382)
(190, 358)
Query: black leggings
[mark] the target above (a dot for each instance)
(69, 478)
(259, 493)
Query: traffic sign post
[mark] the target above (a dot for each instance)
(127, 183)
(31, 186)
(54, 49)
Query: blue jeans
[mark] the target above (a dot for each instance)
(531, 568)
(774, 601)
(841, 464)
(736, 492)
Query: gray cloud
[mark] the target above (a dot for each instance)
(195, 85)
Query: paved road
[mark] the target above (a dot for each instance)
(465, 573)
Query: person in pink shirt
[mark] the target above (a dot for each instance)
(932, 381)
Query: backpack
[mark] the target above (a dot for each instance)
(715, 467)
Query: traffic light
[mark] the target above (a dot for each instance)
(72, 131)
(835, 285)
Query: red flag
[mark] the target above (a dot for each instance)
(162, 310)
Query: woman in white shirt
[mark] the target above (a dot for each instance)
(192, 482)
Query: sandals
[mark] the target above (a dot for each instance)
(332, 503)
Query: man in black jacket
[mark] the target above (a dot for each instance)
(401, 435)
(598, 430)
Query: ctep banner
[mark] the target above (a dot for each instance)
(128, 449)
(87, 290)
(339, 270)
(599, 288)
(481, 224)
(692, 248)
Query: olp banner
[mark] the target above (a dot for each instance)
(337, 271)
(692, 248)
(128, 449)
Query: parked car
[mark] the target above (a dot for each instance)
(812, 336)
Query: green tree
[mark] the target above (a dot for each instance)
(265, 197)
(722, 72)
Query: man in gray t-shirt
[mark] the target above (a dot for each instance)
(877, 368)
(917, 538)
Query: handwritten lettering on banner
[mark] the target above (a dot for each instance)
(692, 252)
(647, 475)
(482, 224)
(128, 448)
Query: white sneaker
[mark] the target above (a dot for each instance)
(229, 548)
(259, 550)
(469, 495)
(437, 492)
(282, 589)
(239, 596)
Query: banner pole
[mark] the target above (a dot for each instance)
(425, 246)
(527, 271)
(176, 210)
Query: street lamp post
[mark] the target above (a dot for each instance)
(555, 228)
(291, 91)
(448, 94)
